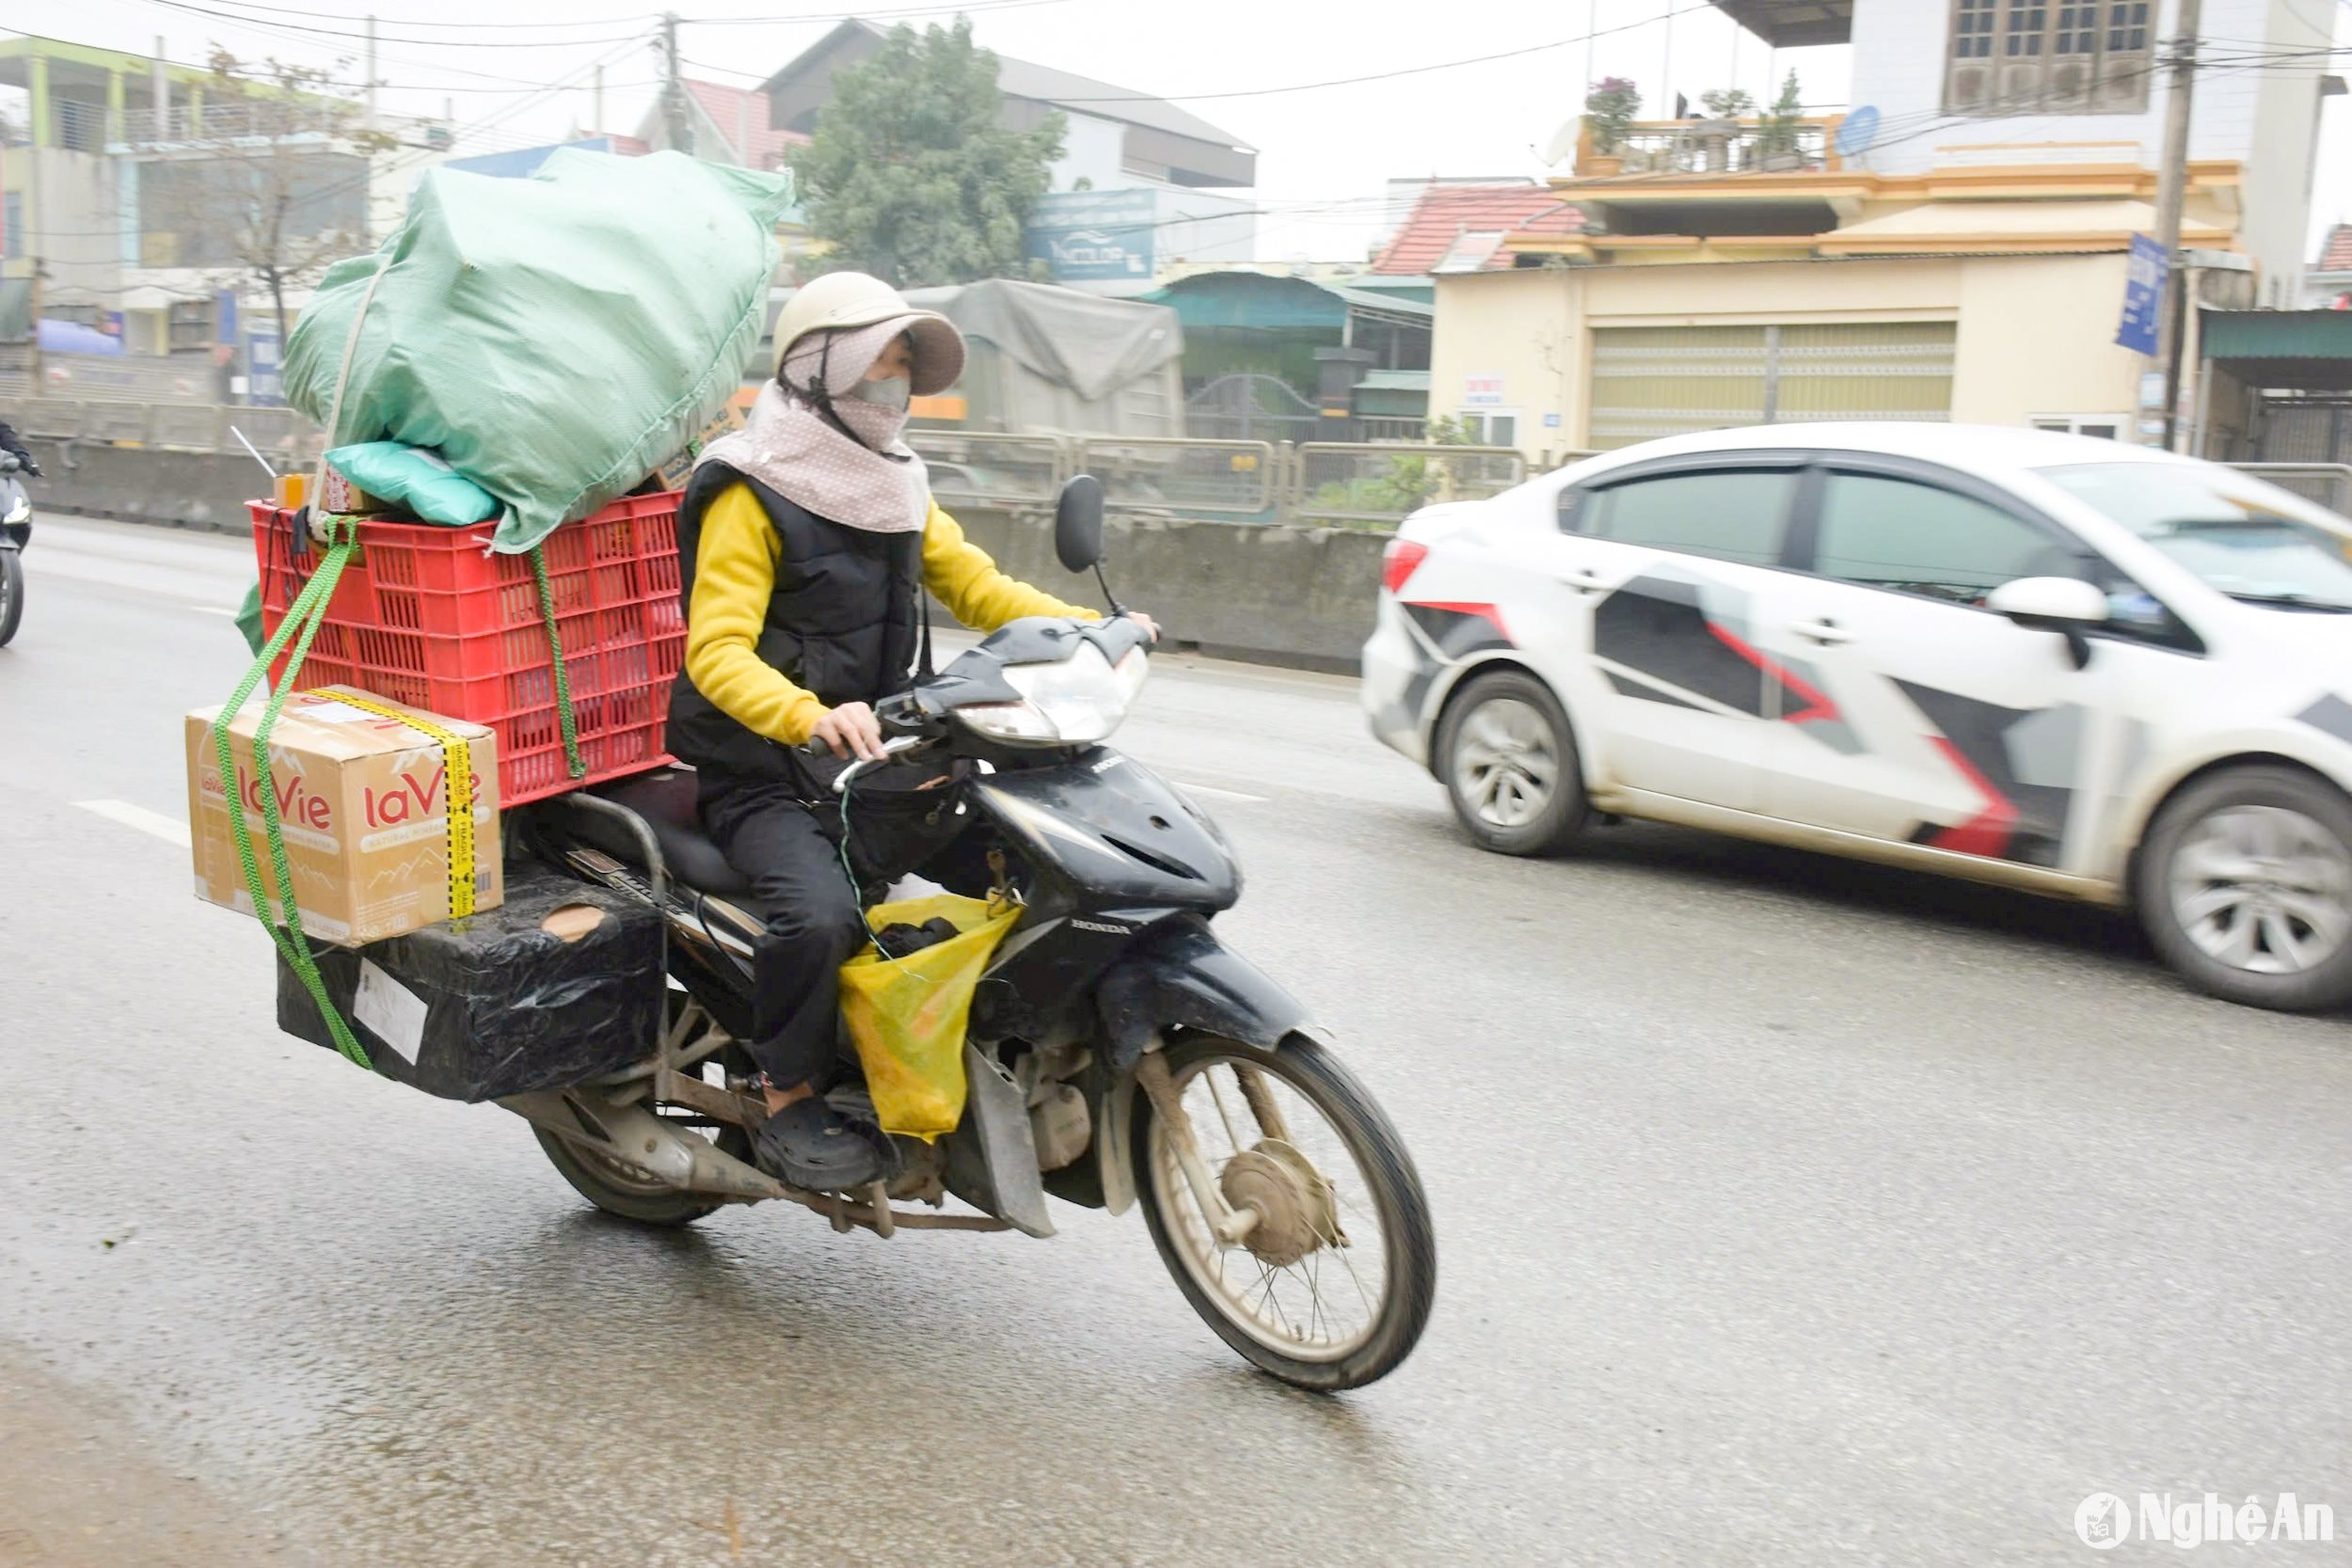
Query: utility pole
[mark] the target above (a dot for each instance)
(596, 104)
(371, 121)
(2171, 192)
(673, 90)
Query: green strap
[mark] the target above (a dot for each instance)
(573, 764)
(302, 621)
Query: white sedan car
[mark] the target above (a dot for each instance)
(2048, 662)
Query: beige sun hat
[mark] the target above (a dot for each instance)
(853, 299)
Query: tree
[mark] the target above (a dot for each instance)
(272, 198)
(912, 176)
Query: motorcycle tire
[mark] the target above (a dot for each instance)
(11, 594)
(1409, 1280)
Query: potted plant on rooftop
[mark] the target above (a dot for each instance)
(1609, 111)
(1777, 140)
(1725, 109)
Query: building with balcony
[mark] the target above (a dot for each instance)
(1953, 246)
(122, 197)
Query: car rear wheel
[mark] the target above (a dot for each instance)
(2245, 885)
(1509, 763)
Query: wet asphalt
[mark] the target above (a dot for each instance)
(1788, 1211)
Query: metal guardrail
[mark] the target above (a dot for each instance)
(1154, 473)
(982, 465)
(1382, 484)
(1372, 484)
(2329, 483)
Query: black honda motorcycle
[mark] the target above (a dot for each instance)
(16, 530)
(1117, 1052)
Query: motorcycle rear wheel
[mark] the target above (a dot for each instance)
(11, 594)
(1281, 1319)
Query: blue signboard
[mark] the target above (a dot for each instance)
(262, 369)
(2143, 295)
(1094, 236)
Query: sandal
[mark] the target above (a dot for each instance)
(823, 1145)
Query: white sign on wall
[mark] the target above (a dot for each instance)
(1481, 389)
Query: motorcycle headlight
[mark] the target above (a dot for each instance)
(1075, 700)
(22, 510)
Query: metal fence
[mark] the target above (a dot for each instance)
(2329, 483)
(1380, 483)
(1370, 485)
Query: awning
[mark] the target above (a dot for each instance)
(2308, 351)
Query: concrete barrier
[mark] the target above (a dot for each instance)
(1268, 593)
(176, 489)
(1271, 594)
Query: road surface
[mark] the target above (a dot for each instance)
(1789, 1210)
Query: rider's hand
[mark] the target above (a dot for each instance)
(1146, 623)
(851, 730)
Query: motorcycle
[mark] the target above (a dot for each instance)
(16, 530)
(1118, 1053)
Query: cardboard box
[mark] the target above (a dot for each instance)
(730, 420)
(364, 803)
(338, 494)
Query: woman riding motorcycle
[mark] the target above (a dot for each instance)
(806, 539)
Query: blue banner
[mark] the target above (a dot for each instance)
(2143, 295)
(1095, 236)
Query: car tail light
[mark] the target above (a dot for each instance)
(1398, 561)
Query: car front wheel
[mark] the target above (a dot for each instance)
(2245, 885)
(1509, 763)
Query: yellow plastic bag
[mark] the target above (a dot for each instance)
(907, 1016)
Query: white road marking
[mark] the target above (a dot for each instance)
(215, 610)
(169, 829)
(1220, 793)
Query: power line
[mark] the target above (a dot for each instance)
(431, 43)
(419, 21)
(1387, 75)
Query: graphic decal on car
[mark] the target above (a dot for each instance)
(2021, 763)
(1672, 637)
(1444, 634)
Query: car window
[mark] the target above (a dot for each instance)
(1726, 515)
(1916, 538)
(2248, 539)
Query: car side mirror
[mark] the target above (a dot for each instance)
(1078, 524)
(2063, 605)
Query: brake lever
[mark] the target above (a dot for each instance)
(896, 747)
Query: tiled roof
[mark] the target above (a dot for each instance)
(730, 112)
(1445, 212)
(2336, 255)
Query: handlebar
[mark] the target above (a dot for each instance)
(896, 746)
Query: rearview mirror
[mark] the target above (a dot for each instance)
(1078, 524)
(2063, 605)
(2049, 604)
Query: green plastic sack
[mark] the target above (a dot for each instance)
(556, 338)
(419, 480)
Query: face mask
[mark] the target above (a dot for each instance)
(893, 393)
(875, 424)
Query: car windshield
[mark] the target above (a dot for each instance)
(2246, 537)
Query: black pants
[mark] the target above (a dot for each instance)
(789, 850)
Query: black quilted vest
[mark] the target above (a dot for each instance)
(840, 623)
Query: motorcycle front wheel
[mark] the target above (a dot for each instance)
(12, 594)
(1331, 1287)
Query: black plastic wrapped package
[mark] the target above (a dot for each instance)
(498, 1003)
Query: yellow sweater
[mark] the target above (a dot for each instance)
(734, 575)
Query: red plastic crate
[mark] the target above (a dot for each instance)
(423, 615)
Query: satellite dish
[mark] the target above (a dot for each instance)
(1563, 143)
(1857, 132)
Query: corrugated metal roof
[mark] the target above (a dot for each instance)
(2277, 335)
(1445, 213)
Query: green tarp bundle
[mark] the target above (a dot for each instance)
(556, 338)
